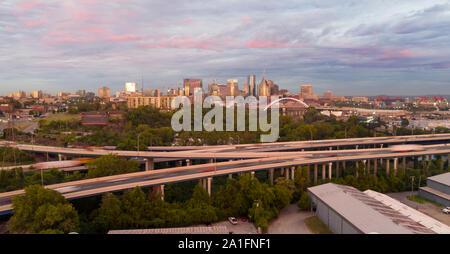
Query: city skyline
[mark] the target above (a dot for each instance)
(352, 48)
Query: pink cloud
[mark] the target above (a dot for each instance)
(35, 23)
(187, 21)
(125, 37)
(28, 5)
(245, 19)
(273, 44)
(395, 54)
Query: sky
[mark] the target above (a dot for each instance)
(357, 47)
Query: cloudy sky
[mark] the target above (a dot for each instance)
(358, 47)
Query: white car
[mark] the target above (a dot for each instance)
(446, 210)
(233, 220)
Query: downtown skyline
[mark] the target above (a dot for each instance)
(352, 48)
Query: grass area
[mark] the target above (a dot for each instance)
(421, 200)
(59, 116)
(316, 226)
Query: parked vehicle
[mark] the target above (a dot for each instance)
(233, 220)
(446, 210)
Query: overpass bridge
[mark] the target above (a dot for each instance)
(205, 172)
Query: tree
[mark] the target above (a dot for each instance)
(111, 165)
(40, 210)
(304, 203)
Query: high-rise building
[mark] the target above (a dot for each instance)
(328, 95)
(81, 93)
(252, 85)
(264, 87)
(306, 90)
(190, 85)
(104, 92)
(37, 94)
(232, 85)
(246, 89)
(130, 87)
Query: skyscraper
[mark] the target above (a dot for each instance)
(232, 85)
(104, 92)
(130, 87)
(190, 85)
(305, 90)
(252, 85)
(264, 87)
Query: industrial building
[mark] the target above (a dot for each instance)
(437, 189)
(346, 210)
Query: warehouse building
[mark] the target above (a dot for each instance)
(437, 189)
(346, 210)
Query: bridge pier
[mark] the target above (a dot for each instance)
(158, 190)
(368, 167)
(209, 185)
(330, 169)
(179, 163)
(230, 176)
(395, 165)
(149, 164)
(387, 166)
(282, 171)
(308, 174)
(253, 174)
(287, 173)
(324, 171)
(292, 173)
(188, 162)
(59, 157)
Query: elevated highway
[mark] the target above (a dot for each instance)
(287, 162)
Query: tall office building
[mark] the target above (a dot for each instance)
(246, 89)
(37, 94)
(130, 87)
(328, 95)
(81, 93)
(305, 90)
(190, 85)
(252, 85)
(264, 87)
(104, 92)
(232, 85)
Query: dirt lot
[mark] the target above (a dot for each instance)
(426, 208)
(290, 221)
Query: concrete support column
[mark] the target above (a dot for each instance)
(149, 164)
(209, 185)
(230, 176)
(287, 173)
(388, 167)
(292, 173)
(324, 171)
(179, 163)
(271, 172)
(188, 162)
(395, 165)
(330, 170)
(424, 161)
(344, 166)
(59, 157)
(211, 160)
(315, 173)
(282, 171)
(162, 191)
(368, 167)
(253, 174)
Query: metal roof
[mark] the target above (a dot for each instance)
(442, 178)
(413, 214)
(365, 212)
